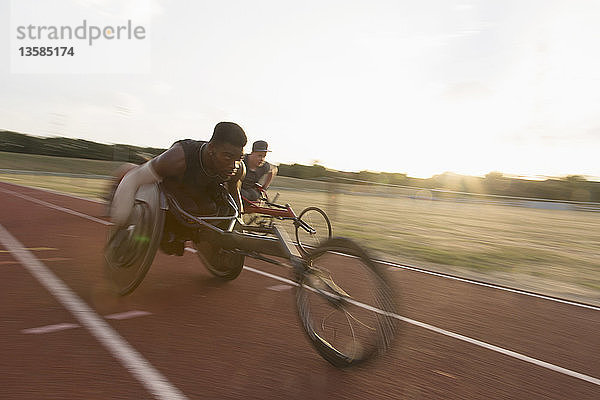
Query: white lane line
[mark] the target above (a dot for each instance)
(57, 193)
(484, 284)
(33, 249)
(446, 374)
(391, 264)
(127, 315)
(276, 288)
(59, 208)
(50, 328)
(453, 335)
(279, 288)
(137, 365)
(67, 325)
(52, 259)
(510, 353)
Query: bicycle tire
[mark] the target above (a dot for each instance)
(130, 250)
(317, 296)
(317, 219)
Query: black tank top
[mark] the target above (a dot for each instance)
(196, 191)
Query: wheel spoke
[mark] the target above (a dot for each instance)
(348, 313)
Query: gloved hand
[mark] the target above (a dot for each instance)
(124, 197)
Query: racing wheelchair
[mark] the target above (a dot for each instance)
(345, 304)
(312, 226)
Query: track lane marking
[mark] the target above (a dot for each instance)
(54, 206)
(397, 267)
(394, 266)
(279, 288)
(33, 249)
(128, 315)
(41, 189)
(50, 328)
(453, 335)
(67, 325)
(446, 374)
(133, 361)
(52, 259)
(444, 332)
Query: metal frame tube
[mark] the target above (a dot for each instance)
(278, 245)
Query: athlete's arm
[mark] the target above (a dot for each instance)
(234, 185)
(269, 177)
(169, 163)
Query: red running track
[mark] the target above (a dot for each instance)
(187, 335)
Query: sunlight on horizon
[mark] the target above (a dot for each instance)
(468, 87)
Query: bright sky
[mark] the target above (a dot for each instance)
(418, 87)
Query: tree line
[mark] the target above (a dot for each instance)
(572, 187)
(74, 148)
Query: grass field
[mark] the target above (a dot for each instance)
(34, 162)
(550, 251)
(89, 188)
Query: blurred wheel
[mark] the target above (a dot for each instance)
(345, 304)
(130, 250)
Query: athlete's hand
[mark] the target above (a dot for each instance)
(124, 198)
(122, 204)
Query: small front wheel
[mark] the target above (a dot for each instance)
(312, 228)
(346, 306)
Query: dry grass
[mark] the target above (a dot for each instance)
(89, 188)
(552, 251)
(35, 162)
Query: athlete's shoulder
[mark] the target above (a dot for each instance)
(266, 167)
(190, 142)
(171, 162)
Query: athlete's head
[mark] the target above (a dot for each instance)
(226, 147)
(259, 153)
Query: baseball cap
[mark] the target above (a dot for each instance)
(260, 145)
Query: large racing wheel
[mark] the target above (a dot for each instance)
(130, 249)
(345, 303)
